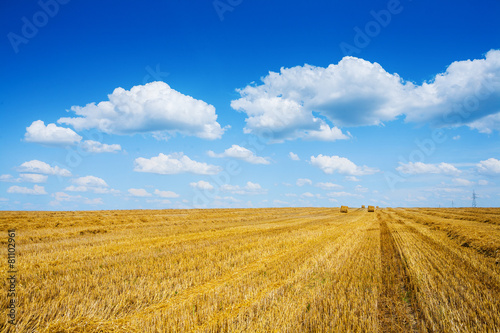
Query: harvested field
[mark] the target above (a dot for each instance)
(256, 270)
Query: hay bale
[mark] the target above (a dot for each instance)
(371, 208)
(344, 209)
(376, 207)
(362, 206)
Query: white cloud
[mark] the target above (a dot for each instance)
(307, 195)
(166, 194)
(290, 195)
(35, 166)
(293, 156)
(50, 134)
(174, 164)
(24, 177)
(466, 93)
(356, 92)
(303, 181)
(327, 186)
(90, 183)
(241, 153)
(95, 201)
(462, 182)
(483, 182)
(154, 107)
(249, 188)
(418, 168)
(61, 196)
(490, 166)
(139, 192)
(64, 197)
(202, 185)
(456, 137)
(98, 147)
(8, 178)
(230, 199)
(36, 190)
(487, 124)
(342, 165)
(360, 189)
(352, 179)
(281, 119)
(73, 188)
(33, 178)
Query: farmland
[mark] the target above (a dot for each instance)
(256, 270)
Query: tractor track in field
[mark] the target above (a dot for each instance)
(485, 277)
(398, 308)
(466, 270)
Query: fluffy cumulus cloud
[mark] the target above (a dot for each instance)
(202, 185)
(90, 184)
(33, 177)
(293, 156)
(36, 166)
(298, 102)
(154, 107)
(249, 188)
(468, 92)
(36, 190)
(90, 181)
(139, 192)
(241, 153)
(418, 168)
(51, 134)
(490, 166)
(174, 164)
(166, 194)
(341, 165)
(98, 147)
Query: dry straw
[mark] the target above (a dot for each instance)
(344, 209)
(371, 208)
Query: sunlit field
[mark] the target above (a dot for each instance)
(256, 270)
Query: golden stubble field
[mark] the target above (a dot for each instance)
(255, 270)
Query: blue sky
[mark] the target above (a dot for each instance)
(236, 103)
